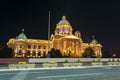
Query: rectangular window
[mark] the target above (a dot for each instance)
(20, 46)
(39, 47)
(29, 46)
(34, 46)
(44, 47)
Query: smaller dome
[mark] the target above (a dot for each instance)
(64, 21)
(22, 36)
(94, 41)
(77, 33)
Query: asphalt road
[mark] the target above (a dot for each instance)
(91, 73)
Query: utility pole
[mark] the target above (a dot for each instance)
(48, 34)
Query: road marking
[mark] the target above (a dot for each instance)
(36, 72)
(7, 73)
(108, 67)
(22, 72)
(46, 77)
(20, 75)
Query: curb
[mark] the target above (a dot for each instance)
(47, 68)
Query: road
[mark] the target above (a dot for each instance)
(89, 73)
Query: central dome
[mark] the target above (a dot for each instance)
(63, 27)
(64, 21)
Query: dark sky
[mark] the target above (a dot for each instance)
(99, 18)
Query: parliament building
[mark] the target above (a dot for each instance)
(63, 39)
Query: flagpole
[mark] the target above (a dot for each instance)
(49, 33)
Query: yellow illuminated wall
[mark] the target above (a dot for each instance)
(63, 39)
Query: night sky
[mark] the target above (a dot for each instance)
(101, 19)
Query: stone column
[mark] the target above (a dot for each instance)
(31, 50)
(15, 50)
(100, 52)
(36, 50)
(76, 49)
(64, 47)
(24, 47)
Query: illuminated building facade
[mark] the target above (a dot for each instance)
(63, 39)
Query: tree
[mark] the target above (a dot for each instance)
(55, 53)
(106, 54)
(52, 53)
(58, 54)
(88, 53)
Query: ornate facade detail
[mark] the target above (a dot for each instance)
(63, 39)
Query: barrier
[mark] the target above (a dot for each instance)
(19, 66)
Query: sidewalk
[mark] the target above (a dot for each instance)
(46, 68)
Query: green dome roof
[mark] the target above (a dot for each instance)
(64, 21)
(77, 31)
(22, 36)
(94, 41)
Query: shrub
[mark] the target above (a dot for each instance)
(66, 61)
(109, 60)
(22, 62)
(113, 60)
(12, 63)
(53, 62)
(78, 61)
(99, 60)
(96, 60)
(93, 60)
(118, 60)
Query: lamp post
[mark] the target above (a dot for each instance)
(48, 34)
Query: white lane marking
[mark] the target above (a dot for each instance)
(7, 73)
(68, 75)
(36, 72)
(20, 73)
(108, 67)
